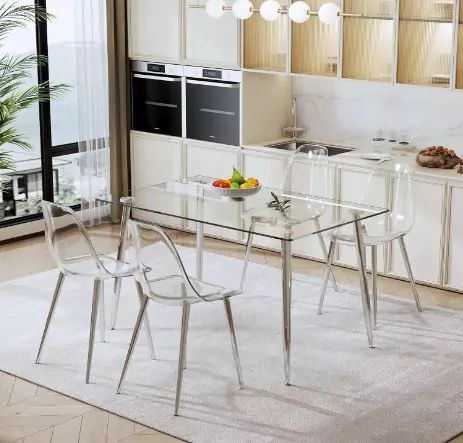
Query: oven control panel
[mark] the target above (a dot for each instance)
(226, 75)
(157, 68)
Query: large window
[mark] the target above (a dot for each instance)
(51, 171)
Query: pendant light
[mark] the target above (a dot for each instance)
(270, 10)
(242, 9)
(299, 12)
(329, 13)
(215, 8)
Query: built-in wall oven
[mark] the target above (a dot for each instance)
(157, 98)
(213, 105)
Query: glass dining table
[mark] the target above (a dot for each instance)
(193, 204)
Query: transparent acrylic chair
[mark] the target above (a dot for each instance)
(75, 256)
(378, 231)
(176, 289)
(318, 185)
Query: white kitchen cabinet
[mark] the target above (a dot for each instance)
(310, 246)
(210, 41)
(455, 239)
(353, 183)
(155, 28)
(216, 161)
(424, 242)
(269, 169)
(155, 159)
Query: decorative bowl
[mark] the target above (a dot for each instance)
(238, 194)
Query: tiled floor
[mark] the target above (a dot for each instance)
(31, 414)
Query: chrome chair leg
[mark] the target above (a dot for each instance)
(374, 286)
(102, 312)
(91, 340)
(410, 273)
(325, 253)
(141, 315)
(146, 323)
(329, 261)
(181, 358)
(117, 298)
(247, 256)
(59, 285)
(231, 326)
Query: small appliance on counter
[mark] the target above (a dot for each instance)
(157, 98)
(213, 105)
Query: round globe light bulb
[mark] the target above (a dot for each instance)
(299, 12)
(270, 10)
(329, 13)
(242, 9)
(215, 8)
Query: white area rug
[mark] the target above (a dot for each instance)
(408, 389)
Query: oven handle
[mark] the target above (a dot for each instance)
(216, 84)
(156, 77)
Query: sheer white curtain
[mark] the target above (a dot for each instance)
(92, 92)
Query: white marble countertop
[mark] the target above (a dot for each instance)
(354, 158)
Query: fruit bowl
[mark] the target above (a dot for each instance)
(238, 194)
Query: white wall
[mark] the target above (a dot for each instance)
(349, 112)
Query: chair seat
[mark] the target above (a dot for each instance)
(172, 290)
(85, 266)
(375, 236)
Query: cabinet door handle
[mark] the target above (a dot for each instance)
(157, 77)
(215, 84)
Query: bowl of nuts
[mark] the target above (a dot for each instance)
(438, 157)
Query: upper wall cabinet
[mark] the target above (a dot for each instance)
(320, 57)
(210, 41)
(155, 30)
(425, 42)
(266, 43)
(368, 41)
(459, 79)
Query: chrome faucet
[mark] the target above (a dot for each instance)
(294, 130)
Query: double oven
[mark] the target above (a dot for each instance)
(185, 101)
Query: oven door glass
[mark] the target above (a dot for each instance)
(157, 104)
(213, 111)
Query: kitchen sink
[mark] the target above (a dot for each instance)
(293, 145)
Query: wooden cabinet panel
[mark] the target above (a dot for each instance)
(425, 240)
(155, 160)
(354, 187)
(269, 169)
(455, 240)
(215, 161)
(154, 30)
(210, 41)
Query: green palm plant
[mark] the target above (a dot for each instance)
(14, 72)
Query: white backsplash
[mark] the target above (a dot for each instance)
(350, 112)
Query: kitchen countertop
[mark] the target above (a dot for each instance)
(354, 158)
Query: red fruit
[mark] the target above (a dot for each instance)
(217, 183)
(225, 185)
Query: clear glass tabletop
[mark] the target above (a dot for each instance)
(195, 200)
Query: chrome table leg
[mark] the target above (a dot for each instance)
(133, 342)
(287, 287)
(410, 273)
(128, 203)
(363, 279)
(329, 260)
(324, 252)
(91, 340)
(374, 289)
(231, 326)
(102, 313)
(146, 322)
(247, 255)
(181, 358)
(59, 285)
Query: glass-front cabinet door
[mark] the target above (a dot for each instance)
(320, 57)
(266, 43)
(368, 41)
(425, 41)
